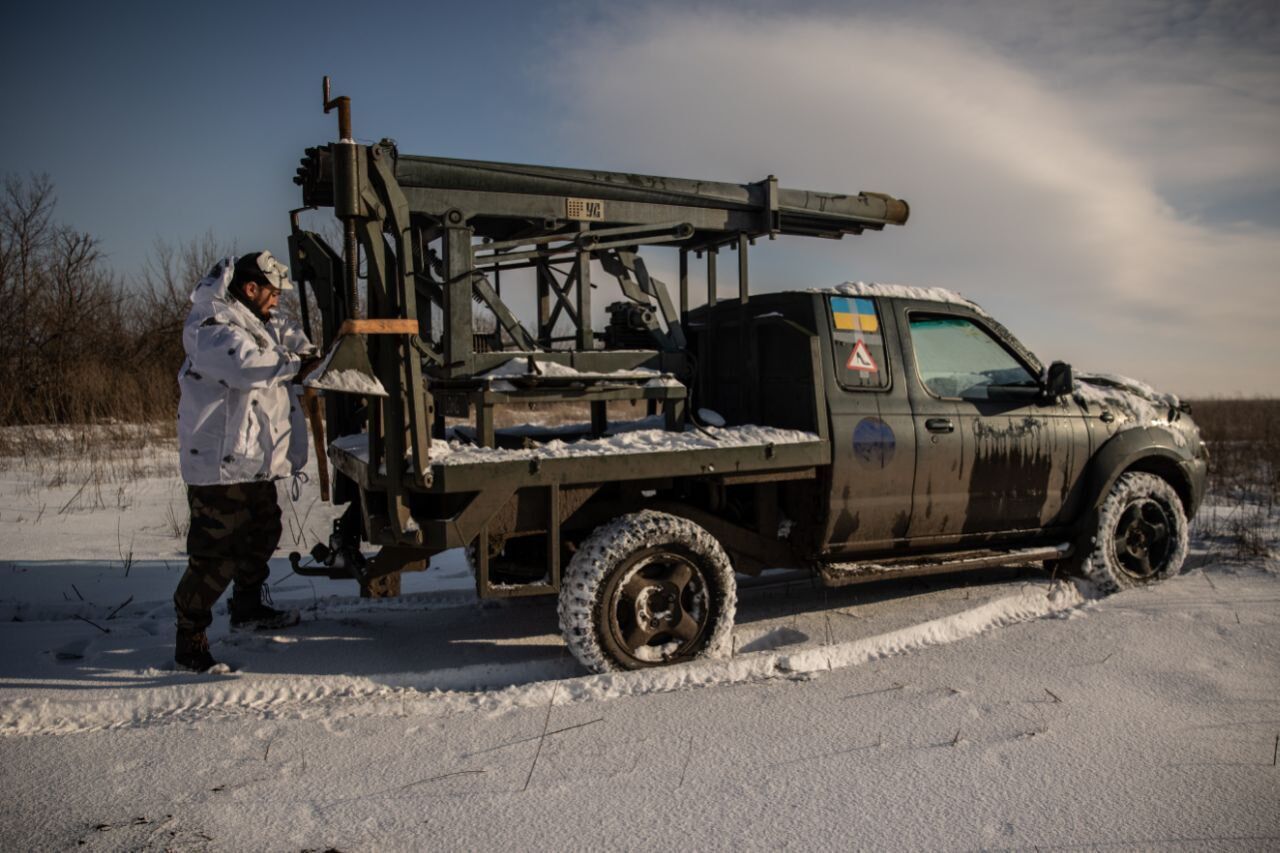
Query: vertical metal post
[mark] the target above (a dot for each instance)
(707, 379)
(599, 417)
(746, 350)
(553, 536)
(497, 288)
(711, 277)
(484, 426)
(351, 257)
(482, 560)
(420, 262)
(388, 412)
(350, 245)
(457, 291)
(378, 303)
(586, 338)
(544, 304)
(684, 286)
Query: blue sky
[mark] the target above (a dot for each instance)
(1102, 176)
(170, 119)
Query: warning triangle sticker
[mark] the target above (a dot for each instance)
(860, 359)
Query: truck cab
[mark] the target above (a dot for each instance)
(948, 436)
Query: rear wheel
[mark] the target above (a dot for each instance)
(645, 590)
(1141, 536)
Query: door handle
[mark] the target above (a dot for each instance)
(939, 425)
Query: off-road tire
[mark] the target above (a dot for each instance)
(1141, 537)
(636, 560)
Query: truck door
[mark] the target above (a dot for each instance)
(872, 434)
(994, 456)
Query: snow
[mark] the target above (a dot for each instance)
(349, 382)
(899, 291)
(1134, 404)
(624, 438)
(1005, 709)
(520, 365)
(543, 432)
(710, 417)
(345, 381)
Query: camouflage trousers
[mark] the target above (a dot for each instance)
(234, 531)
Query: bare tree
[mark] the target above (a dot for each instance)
(70, 351)
(26, 210)
(168, 276)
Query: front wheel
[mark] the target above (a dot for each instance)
(645, 590)
(1141, 536)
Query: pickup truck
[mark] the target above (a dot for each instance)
(860, 431)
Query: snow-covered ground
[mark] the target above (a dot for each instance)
(991, 710)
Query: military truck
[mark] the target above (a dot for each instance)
(857, 432)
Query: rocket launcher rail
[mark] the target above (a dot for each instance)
(495, 191)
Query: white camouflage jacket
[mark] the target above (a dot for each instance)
(239, 418)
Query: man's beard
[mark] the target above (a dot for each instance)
(264, 316)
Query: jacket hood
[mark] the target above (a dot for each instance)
(216, 284)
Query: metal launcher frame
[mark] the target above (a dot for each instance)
(437, 231)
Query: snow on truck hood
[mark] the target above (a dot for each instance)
(1133, 402)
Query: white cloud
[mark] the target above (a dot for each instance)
(1029, 194)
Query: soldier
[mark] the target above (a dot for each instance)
(240, 428)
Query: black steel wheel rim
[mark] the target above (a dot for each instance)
(1144, 538)
(659, 608)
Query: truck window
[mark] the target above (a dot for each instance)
(858, 341)
(958, 358)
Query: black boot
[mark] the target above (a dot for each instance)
(251, 610)
(191, 651)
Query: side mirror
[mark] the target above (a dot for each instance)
(1059, 381)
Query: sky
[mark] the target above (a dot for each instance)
(1104, 177)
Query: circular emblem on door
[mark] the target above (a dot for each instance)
(873, 442)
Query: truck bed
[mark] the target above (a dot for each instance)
(637, 450)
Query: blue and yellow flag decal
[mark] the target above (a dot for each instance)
(855, 315)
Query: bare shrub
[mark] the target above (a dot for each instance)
(177, 523)
(102, 454)
(170, 272)
(1243, 436)
(1244, 447)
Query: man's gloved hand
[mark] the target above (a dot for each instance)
(309, 363)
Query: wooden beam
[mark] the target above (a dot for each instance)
(386, 326)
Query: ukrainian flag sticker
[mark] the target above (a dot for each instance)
(854, 315)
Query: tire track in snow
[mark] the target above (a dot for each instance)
(421, 693)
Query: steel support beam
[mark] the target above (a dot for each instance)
(457, 291)
(684, 287)
(585, 337)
